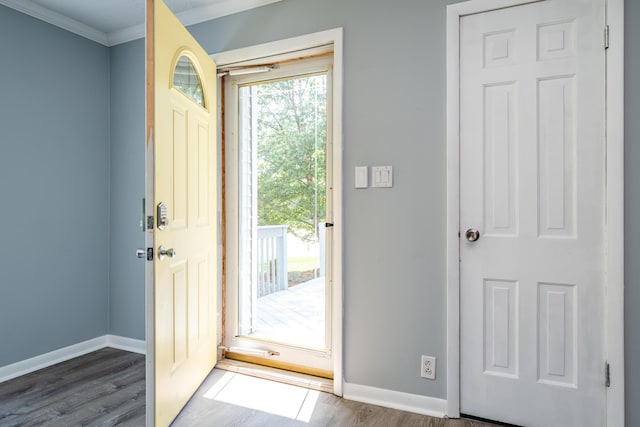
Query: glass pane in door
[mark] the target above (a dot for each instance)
(282, 209)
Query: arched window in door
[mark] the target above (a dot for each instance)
(187, 80)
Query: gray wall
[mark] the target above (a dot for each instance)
(54, 177)
(127, 306)
(632, 210)
(394, 247)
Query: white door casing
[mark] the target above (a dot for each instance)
(286, 49)
(532, 181)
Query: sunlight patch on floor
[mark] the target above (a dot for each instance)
(262, 395)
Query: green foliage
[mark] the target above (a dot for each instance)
(292, 135)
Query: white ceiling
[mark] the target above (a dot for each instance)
(112, 22)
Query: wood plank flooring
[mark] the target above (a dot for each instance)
(107, 388)
(230, 399)
(103, 388)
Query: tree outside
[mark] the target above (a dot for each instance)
(292, 135)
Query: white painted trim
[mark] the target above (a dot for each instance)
(615, 213)
(218, 10)
(416, 403)
(338, 216)
(470, 7)
(42, 13)
(32, 364)
(126, 35)
(126, 344)
(453, 212)
(615, 203)
(187, 17)
(190, 17)
(281, 47)
(334, 36)
(51, 358)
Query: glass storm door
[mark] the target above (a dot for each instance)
(283, 297)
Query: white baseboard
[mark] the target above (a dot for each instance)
(27, 366)
(127, 344)
(397, 400)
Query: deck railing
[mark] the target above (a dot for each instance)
(272, 259)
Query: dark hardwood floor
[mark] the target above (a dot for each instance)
(107, 388)
(102, 388)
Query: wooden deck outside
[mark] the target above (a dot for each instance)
(294, 316)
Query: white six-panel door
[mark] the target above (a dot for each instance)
(532, 156)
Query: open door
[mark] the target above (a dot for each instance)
(181, 132)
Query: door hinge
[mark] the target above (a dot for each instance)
(607, 375)
(606, 37)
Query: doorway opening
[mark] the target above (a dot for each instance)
(282, 138)
(279, 212)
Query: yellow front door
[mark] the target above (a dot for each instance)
(181, 131)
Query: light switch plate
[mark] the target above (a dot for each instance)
(382, 176)
(362, 177)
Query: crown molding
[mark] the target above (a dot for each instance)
(42, 13)
(125, 35)
(191, 17)
(218, 10)
(187, 17)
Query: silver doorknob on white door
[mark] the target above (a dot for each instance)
(141, 253)
(164, 252)
(472, 234)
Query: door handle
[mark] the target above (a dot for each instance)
(472, 234)
(141, 253)
(164, 252)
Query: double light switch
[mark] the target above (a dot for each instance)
(381, 176)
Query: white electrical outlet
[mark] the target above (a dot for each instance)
(428, 367)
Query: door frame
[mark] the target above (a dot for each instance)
(295, 44)
(614, 238)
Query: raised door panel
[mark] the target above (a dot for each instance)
(501, 327)
(557, 341)
(500, 159)
(557, 157)
(178, 171)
